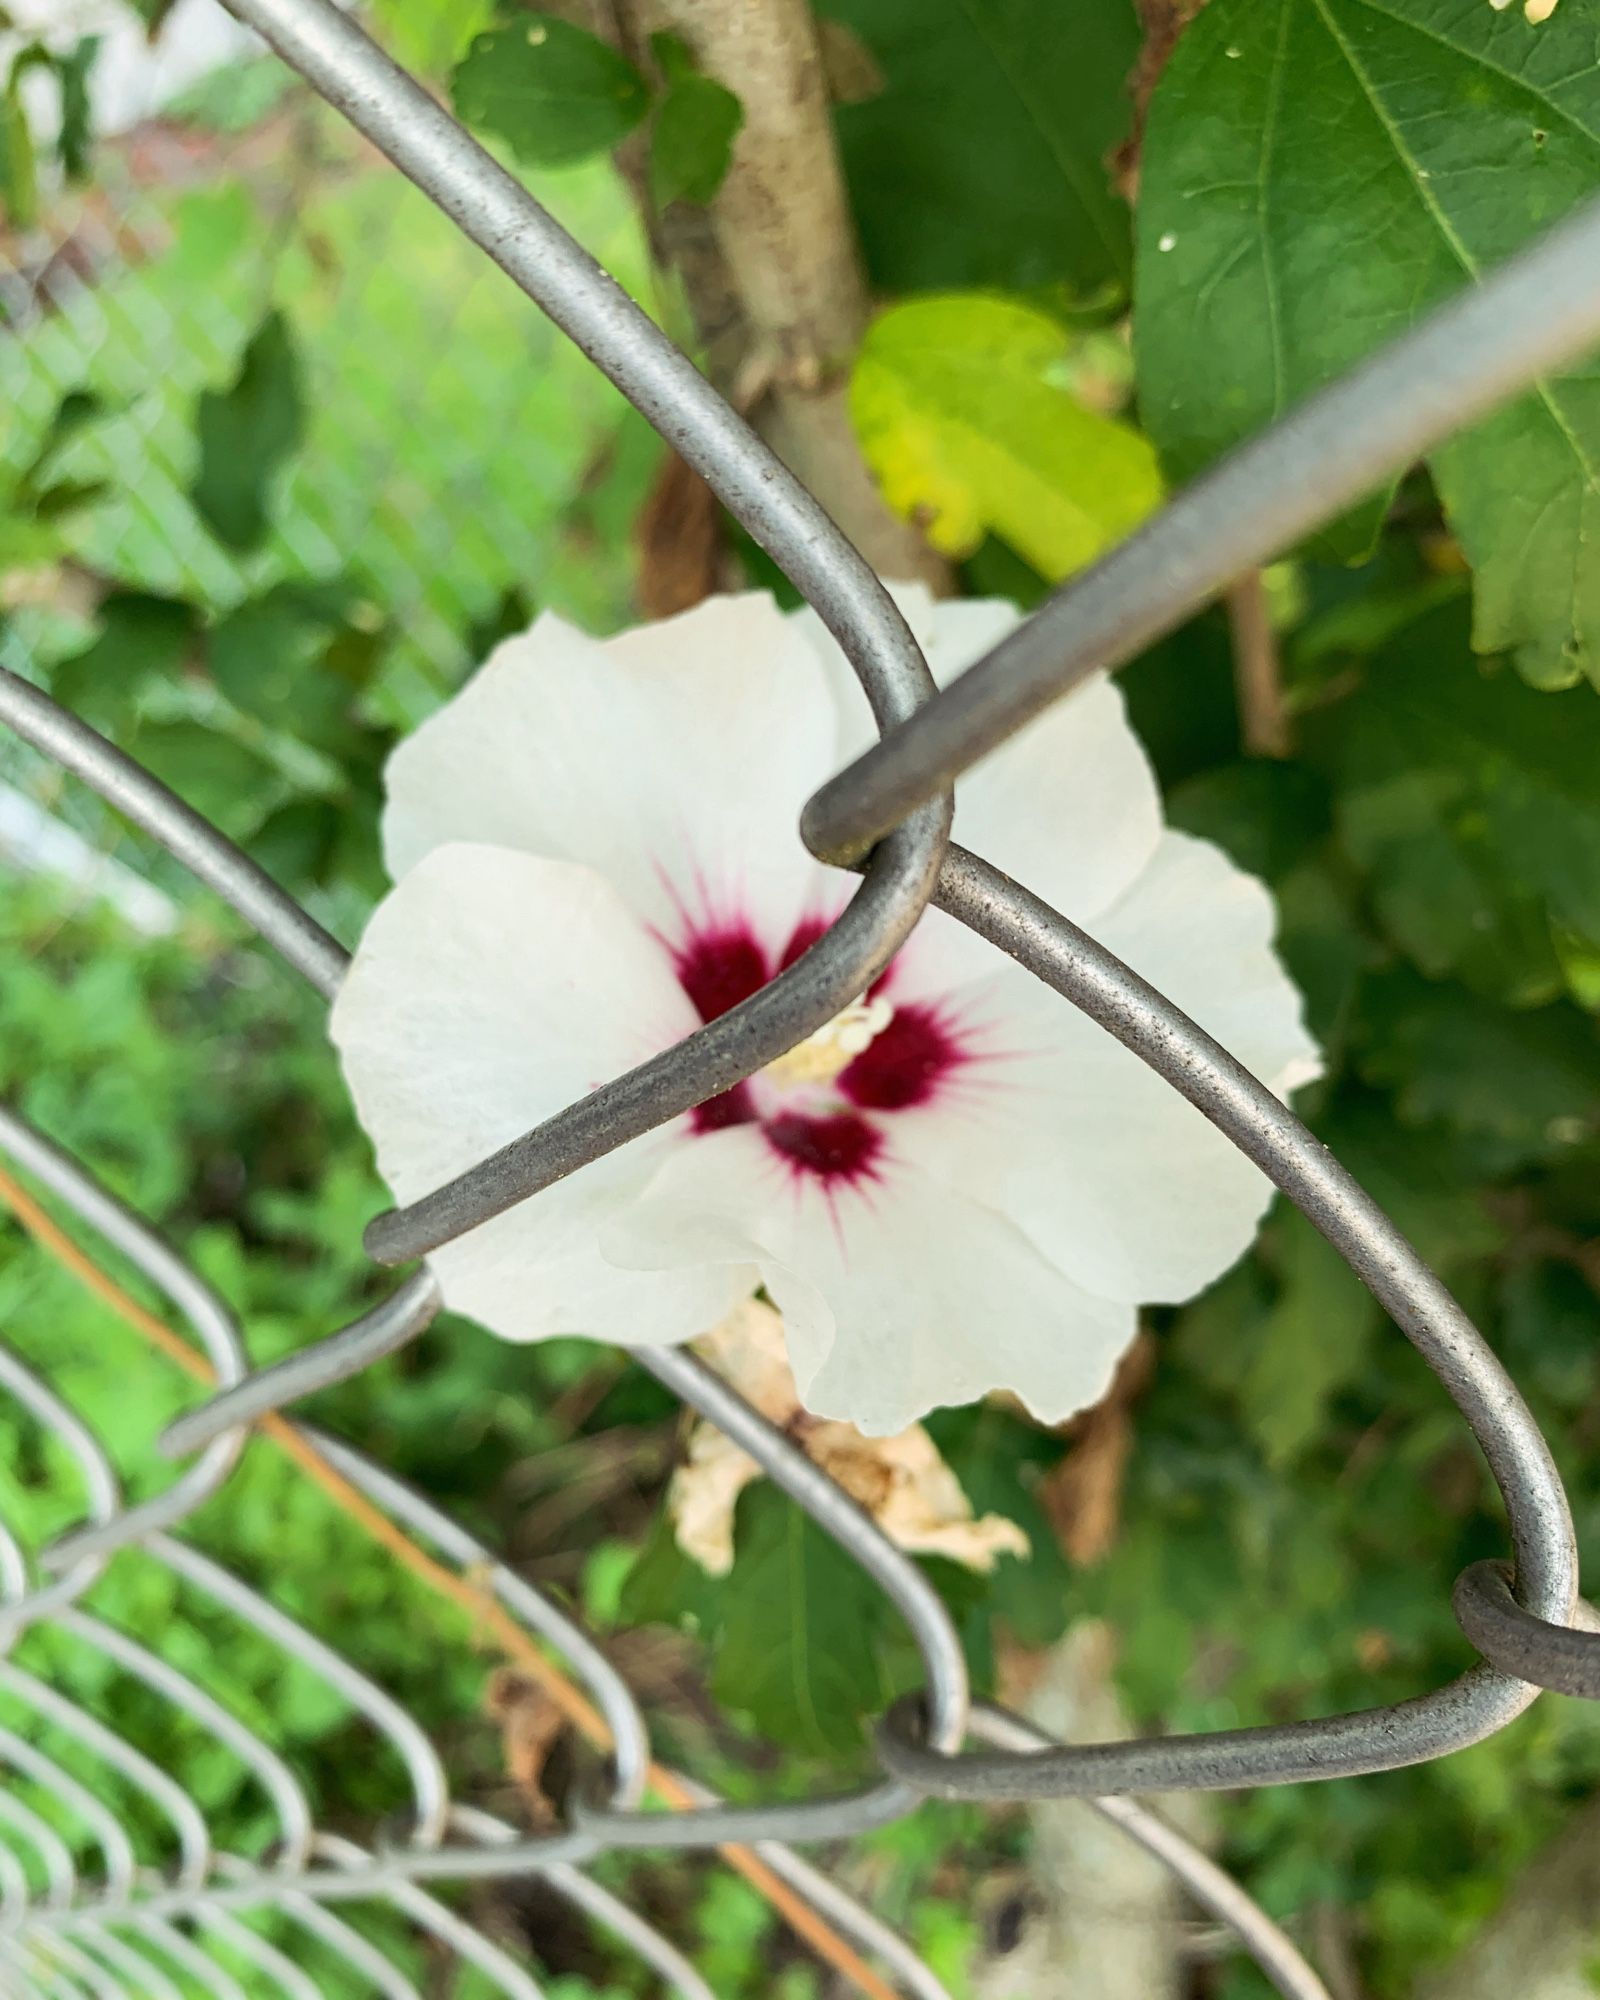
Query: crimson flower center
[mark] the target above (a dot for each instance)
(823, 1108)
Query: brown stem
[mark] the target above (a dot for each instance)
(1257, 678)
(1332, 1949)
(771, 271)
(1163, 23)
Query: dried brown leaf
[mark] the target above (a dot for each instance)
(901, 1481)
(530, 1727)
(1082, 1496)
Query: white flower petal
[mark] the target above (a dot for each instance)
(1201, 929)
(952, 632)
(935, 1300)
(897, 1298)
(1114, 1176)
(489, 990)
(674, 758)
(1069, 806)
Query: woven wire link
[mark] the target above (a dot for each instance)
(127, 1929)
(82, 303)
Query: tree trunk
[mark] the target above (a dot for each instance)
(1102, 1918)
(770, 271)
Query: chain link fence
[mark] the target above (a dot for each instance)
(222, 187)
(110, 1879)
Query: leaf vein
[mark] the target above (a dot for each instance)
(1070, 169)
(1430, 201)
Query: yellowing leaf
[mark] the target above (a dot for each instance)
(962, 407)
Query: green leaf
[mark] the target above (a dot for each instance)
(983, 159)
(19, 172)
(74, 139)
(696, 123)
(246, 431)
(797, 1652)
(1316, 174)
(1552, 1325)
(799, 1638)
(142, 639)
(1283, 1349)
(1519, 1088)
(1472, 803)
(77, 409)
(424, 35)
(666, 1587)
(999, 1461)
(673, 57)
(214, 773)
(69, 496)
(553, 92)
(240, 96)
(962, 410)
(1314, 1340)
(1424, 1178)
(26, 542)
(267, 656)
(298, 842)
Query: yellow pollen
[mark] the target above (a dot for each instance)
(834, 1046)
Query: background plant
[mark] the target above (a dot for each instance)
(254, 527)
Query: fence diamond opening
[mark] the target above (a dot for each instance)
(120, 1927)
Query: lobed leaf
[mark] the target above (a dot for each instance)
(967, 423)
(1472, 803)
(1316, 175)
(245, 432)
(555, 93)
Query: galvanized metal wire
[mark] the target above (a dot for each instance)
(120, 1928)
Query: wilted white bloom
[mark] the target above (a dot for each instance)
(901, 1481)
(961, 1184)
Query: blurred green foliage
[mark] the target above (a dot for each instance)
(341, 478)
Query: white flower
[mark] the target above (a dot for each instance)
(963, 1184)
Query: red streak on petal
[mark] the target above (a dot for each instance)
(805, 935)
(802, 938)
(839, 1147)
(904, 1064)
(733, 1107)
(719, 968)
